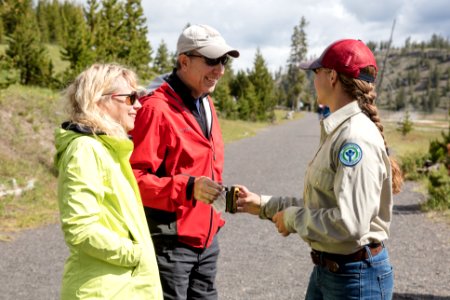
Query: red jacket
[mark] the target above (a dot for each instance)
(170, 148)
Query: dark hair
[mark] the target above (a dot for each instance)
(364, 92)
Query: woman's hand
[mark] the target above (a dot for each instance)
(247, 201)
(278, 219)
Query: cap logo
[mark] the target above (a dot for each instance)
(350, 154)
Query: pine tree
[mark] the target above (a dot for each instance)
(9, 10)
(108, 37)
(137, 50)
(405, 125)
(263, 84)
(1, 27)
(244, 92)
(295, 79)
(42, 19)
(435, 76)
(223, 100)
(400, 99)
(26, 50)
(76, 50)
(92, 15)
(162, 63)
(56, 32)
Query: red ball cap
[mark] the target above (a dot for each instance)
(347, 57)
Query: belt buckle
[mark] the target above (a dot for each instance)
(333, 266)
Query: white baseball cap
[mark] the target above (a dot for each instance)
(205, 40)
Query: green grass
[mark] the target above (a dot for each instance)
(233, 130)
(417, 141)
(413, 147)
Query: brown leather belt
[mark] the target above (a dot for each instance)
(332, 261)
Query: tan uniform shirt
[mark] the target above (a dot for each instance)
(347, 192)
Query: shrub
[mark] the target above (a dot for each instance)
(438, 149)
(412, 165)
(438, 190)
(405, 126)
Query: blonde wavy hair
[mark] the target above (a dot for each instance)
(86, 91)
(364, 92)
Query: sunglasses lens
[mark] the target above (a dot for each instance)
(224, 60)
(211, 61)
(133, 97)
(215, 61)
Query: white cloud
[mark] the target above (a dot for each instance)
(374, 11)
(268, 24)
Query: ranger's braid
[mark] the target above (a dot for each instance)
(364, 93)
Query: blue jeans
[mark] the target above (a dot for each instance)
(371, 278)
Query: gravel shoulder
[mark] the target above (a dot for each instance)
(256, 262)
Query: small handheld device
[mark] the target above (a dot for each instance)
(231, 198)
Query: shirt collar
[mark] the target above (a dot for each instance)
(182, 90)
(338, 117)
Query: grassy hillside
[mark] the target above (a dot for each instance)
(27, 119)
(421, 75)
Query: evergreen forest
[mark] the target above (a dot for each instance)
(415, 76)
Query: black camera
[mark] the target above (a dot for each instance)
(231, 197)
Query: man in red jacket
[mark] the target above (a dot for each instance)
(178, 161)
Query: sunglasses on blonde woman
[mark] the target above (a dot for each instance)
(129, 100)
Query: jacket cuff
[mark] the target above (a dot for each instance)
(262, 209)
(289, 217)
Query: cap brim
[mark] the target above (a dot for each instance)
(216, 51)
(310, 65)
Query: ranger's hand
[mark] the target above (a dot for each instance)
(247, 201)
(278, 219)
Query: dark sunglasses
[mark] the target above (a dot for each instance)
(129, 100)
(212, 61)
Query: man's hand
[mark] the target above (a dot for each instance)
(278, 219)
(206, 190)
(247, 201)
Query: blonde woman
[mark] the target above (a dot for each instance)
(103, 221)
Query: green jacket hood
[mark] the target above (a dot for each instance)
(70, 131)
(63, 138)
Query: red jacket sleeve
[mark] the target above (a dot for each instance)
(152, 137)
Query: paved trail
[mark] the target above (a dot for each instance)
(256, 262)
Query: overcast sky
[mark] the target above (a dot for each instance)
(268, 24)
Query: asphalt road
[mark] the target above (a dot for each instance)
(256, 262)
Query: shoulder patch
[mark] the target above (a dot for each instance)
(350, 154)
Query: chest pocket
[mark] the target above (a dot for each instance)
(322, 180)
